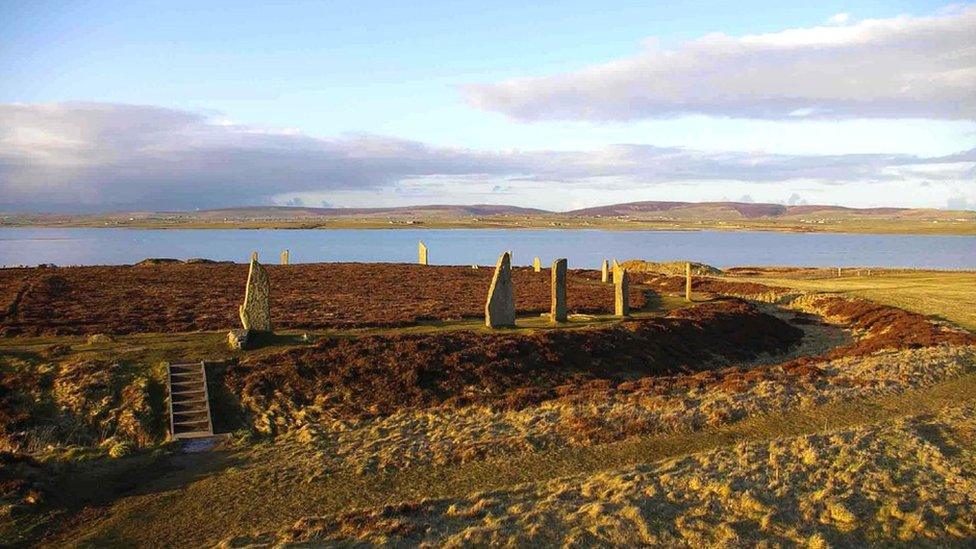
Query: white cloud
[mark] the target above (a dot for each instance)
(95, 156)
(903, 67)
(839, 18)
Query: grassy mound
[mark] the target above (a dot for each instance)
(669, 268)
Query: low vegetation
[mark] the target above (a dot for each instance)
(895, 482)
(177, 297)
(782, 414)
(947, 295)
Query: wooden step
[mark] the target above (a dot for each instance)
(183, 382)
(195, 434)
(189, 403)
(195, 401)
(192, 411)
(199, 422)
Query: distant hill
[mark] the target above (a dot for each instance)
(747, 210)
(647, 214)
(299, 212)
(677, 210)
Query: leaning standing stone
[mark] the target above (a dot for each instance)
(421, 253)
(537, 265)
(500, 306)
(256, 310)
(605, 272)
(621, 291)
(557, 312)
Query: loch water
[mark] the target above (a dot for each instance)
(583, 248)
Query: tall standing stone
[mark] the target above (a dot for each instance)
(254, 256)
(500, 306)
(621, 292)
(284, 257)
(421, 253)
(614, 268)
(688, 281)
(557, 312)
(256, 310)
(537, 265)
(605, 272)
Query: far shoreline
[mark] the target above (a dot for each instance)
(879, 227)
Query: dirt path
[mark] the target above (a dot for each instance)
(272, 486)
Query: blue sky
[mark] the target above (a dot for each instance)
(439, 75)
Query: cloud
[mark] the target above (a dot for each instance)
(903, 67)
(839, 18)
(96, 156)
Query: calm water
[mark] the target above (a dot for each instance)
(583, 248)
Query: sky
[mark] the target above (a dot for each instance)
(558, 105)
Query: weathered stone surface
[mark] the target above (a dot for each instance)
(421, 253)
(687, 281)
(537, 265)
(96, 339)
(237, 339)
(557, 311)
(256, 310)
(621, 292)
(605, 272)
(500, 306)
(284, 257)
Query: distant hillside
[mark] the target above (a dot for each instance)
(747, 210)
(657, 209)
(649, 215)
(298, 212)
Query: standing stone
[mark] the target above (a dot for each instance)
(500, 306)
(284, 257)
(687, 281)
(557, 312)
(256, 310)
(605, 272)
(537, 265)
(621, 292)
(254, 256)
(614, 268)
(421, 253)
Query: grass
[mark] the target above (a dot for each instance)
(271, 489)
(945, 294)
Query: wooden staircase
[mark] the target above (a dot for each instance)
(189, 403)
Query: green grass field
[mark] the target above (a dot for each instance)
(950, 295)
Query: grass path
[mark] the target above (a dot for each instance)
(275, 488)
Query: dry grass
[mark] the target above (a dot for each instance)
(445, 436)
(269, 489)
(902, 481)
(948, 295)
